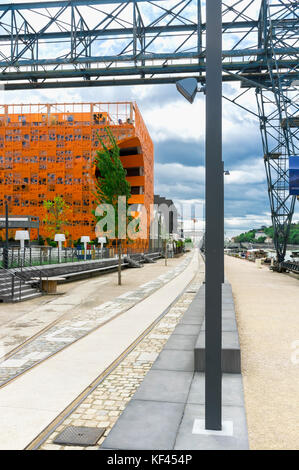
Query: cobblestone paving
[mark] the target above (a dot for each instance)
(66, 332)
(104, 405)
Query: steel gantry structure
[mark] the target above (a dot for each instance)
(51, 44)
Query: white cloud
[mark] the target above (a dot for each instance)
(176, 172)
(178, 119)
(253, 174)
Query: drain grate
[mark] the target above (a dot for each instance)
(79, 436)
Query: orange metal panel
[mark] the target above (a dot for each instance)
(136, 180)
(132, 161)
(136, 199)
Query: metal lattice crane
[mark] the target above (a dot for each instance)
(278, 105)
(51, 44)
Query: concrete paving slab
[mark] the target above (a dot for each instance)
(161, 385)
(232, 390)
(175, 360)
(229, 340)
(181, 342)
(231, 356)
(171, 380)
(186, 440)
(228, 324)
(146, 425)
(192, 318)
(186, 329)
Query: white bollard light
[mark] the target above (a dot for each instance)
(85, 239)
(102, 240)
(59, 237)
(22, 235)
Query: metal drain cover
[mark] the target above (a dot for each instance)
(79, 436)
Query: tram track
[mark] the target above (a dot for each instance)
(48, 328)
(36, 443)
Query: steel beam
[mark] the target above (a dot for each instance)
(61, 4)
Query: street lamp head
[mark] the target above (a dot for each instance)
(59, 237)
(22, 235)
(188, 88)
(227, 173)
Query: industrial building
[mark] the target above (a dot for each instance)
(48, 150)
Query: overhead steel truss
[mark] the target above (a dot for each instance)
(278, 106)
(52, 44)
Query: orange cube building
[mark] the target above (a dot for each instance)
(48, 150)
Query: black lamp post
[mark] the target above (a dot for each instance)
(214, 239)
(5, 250)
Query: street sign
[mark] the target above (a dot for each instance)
(294, 175)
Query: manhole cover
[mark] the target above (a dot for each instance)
(79, 436)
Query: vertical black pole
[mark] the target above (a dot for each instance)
(214, 216)
(5, 251)
(222, 208)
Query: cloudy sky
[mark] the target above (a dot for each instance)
(177, 129)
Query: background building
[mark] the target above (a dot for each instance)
(48, 150)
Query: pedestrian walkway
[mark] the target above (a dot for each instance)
(21, 321)
(33, 400)
(267, 305)
(68, 331)
(103, 405)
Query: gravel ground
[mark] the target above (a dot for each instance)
(267, 306)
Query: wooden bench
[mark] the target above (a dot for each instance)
(49, 284)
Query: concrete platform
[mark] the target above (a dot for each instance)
(188, 440)
(164, 411)
(231, 355)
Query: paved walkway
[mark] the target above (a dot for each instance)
(34, 399)
(79, 325)
(20, 321)
(267, 306)
(103, 406)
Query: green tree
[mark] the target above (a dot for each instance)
(112, 184)
(56, 217)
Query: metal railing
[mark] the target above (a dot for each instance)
(292, 266)
(48, 255)
(38, 256)
(24, 271)
(31, 274)
(11, 290)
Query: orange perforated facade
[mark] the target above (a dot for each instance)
(48, 150)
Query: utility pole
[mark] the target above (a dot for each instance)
(214, 217)
(5, 251)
